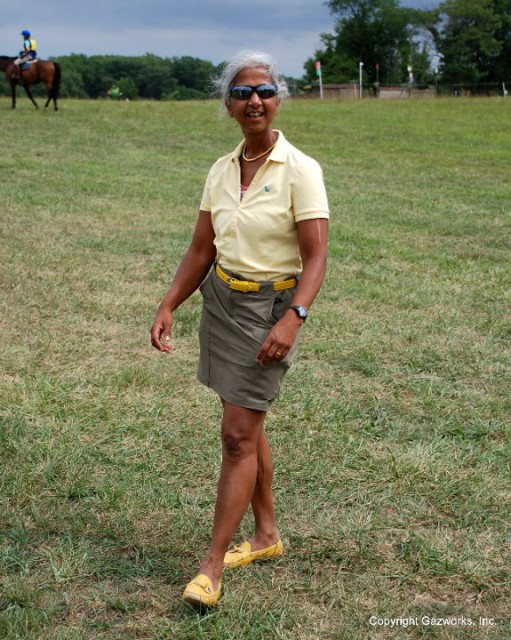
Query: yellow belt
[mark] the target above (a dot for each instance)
(246, 285)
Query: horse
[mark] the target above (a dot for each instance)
(32, 73)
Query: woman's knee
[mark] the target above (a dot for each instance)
(236, 445)
(240, 433)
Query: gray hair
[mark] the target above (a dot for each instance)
(249, 60)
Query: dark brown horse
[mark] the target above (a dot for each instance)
(39, 71)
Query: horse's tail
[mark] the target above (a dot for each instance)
(55, 85)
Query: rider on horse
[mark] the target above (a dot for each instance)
(28, 54)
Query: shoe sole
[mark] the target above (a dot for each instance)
(197, 601)
(255, 556)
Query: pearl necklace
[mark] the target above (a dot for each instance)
(260, 155)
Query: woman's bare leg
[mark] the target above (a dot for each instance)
(266, 533)
(241, 432)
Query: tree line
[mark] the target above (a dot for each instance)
(458, 42)
(148, 76)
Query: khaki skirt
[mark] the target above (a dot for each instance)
(233, 327)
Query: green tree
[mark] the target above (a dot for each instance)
(72, 82)
(380, 33)
(472, 39)
(128, 88)
(193, 73)
(154, 77)
(336, 65)
(148, 76)
(502, 68)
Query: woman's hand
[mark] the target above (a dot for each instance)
(160, 330)
(194, 267)
(280, 339)
(312, 238)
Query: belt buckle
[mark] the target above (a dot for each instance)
(243, 285)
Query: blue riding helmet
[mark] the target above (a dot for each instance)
(25, 33)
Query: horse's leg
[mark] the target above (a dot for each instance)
(51, 95)
(48, 88)
(27, 91)
(13, 94)
(50, 99)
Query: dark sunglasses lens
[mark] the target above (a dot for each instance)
(241, 93)
(266, 91)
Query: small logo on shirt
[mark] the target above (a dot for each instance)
(267, 188)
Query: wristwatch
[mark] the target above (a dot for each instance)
(300, 311)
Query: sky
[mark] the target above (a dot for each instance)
(212, 30)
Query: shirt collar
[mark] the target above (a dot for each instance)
(278, 154)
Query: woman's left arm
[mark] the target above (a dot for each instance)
(313, 241)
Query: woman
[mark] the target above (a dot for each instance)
(258, 253)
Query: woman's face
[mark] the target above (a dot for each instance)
(256, 114)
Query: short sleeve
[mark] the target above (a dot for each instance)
(205, 203)
(309, 196)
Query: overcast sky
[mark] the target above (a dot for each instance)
(212, 30)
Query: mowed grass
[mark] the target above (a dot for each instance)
(391, 435)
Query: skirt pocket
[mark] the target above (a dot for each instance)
(281, 303)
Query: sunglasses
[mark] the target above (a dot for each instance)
(243, 92)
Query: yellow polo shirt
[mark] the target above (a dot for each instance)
(257, 237)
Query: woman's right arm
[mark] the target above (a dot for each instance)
(191, 272)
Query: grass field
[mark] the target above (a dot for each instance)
(392, 433)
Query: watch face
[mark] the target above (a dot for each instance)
(301, 312)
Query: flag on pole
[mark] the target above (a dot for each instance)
(317, 64)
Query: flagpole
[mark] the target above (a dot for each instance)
(318, 73)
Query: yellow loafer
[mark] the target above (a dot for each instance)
(243, 554)
(200, 592)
